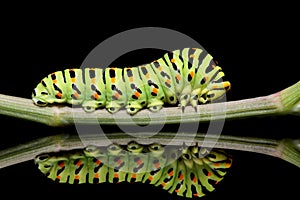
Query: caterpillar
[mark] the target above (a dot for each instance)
(188, 171)
(181, 77)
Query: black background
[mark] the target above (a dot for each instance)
(256, 47)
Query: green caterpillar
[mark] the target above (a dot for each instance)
(188, 171)
(187, 76)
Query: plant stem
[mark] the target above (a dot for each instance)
(286, 101)
(286, 149)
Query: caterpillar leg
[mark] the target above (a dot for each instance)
(113, 107)
(155, 105)
(133, 107)
(91, 106)
(194, 99)
(184, 101)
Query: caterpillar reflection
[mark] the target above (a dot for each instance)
(187, 76)
(185, 170)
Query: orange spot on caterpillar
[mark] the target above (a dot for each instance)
(196, 194)
(61, 165)
(171, 173)
(54, 81)
(73, 80)
(173, 60)
(117, 95)
(96, 175)
(133, 176)
(226, 84)
(178, 77)
(150, 178)
(159, 68)
(216, 164)
(96, 95)
(155, 90)
(98, 162)
(209, 174)
(156, 165)
(168, 81)
(78, 163)
(137, 94)
(131, 79)
(147, 75)
(192, 74)
(77, 177)
(113, 80)
(116, 175)
(181, 177)
(76, 95)
(119, 161)
(93, 80)
(139, 162)
(192, 56)
(58, 177)
(59, 95)
(163, 184)
(227, 165)
(195, 179)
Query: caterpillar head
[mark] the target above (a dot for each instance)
(40, 95)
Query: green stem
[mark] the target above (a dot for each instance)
(286, 101)
(286, 149)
